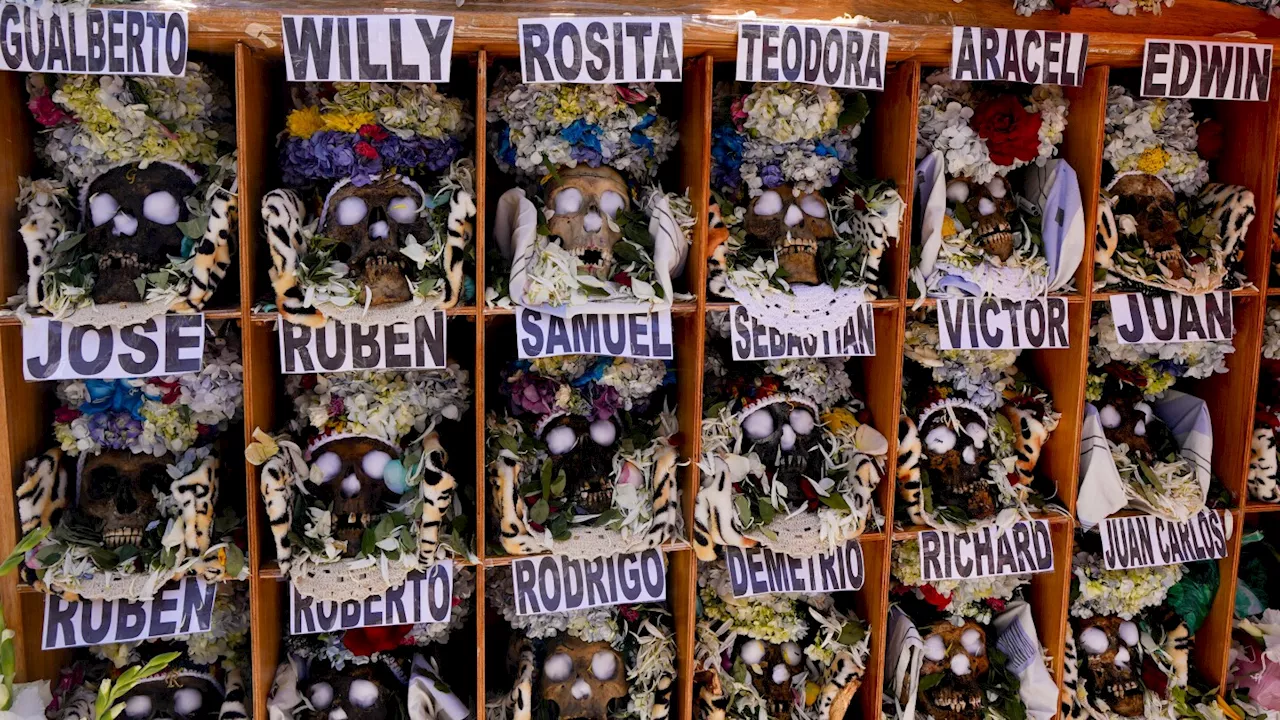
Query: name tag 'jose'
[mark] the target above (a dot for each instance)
(1024, 548)
(758, 570)
(181, 608)
(1139, 541)
(554, 583)
(425, 597)
(166, 345)
(1172, 318)
(340, 347)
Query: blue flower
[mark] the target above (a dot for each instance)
(771, 175)
(593, 373)
(113, 396)
(825, 150)
(726, 157)
(585, 156)
(582, 133)
(645, 122)
(641, 140)
(506, 151)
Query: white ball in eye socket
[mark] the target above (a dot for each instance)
(604, 665)
(603, 433)
(320, 695)
(187, 700)
(1109, 416)
(793, 216)
(611, 202)
(813, 206)
(971, 641)
(351, 210)
(102, 207)
(958, 191)
(137, 706)
(801, 421)
(934, 648)
(330, 464)
(350, 486)
(1095, 641)
(752, 652)
(561, 440)
(161, 207)
(997, 188)
(791, 653)
(568, 201)
(940, 440)
(769, 203)
(758, 424)
(374, 462)
(558, 667)
(403, 209)
(363, 693)
(1128, 633)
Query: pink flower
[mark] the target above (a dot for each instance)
(737, 113)
(630, 95)
(630, 475)
(46, 111)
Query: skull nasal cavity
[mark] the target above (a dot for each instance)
(592, 222)
(378, 227)
(794, 216)
(125, 224)
(580, 690)
(125, 502)
(350, 486)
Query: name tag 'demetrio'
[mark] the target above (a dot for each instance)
(758, 570)
(1025, 547)
(166, 345)
(340, 347)
(642, 334)
(1039, 57)
(993, 324)
(425, 597)
(753, 340)
(74, 38)
(367, 48)
(181, 608)
(1139, 541)
(830, 55)
(601, 50)
(1194, 70)
(555, 583)
(1172, 318)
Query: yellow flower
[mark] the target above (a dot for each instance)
(304, 123)
(347, 122)
(948, 226)
(222, 557)
(1153, 160)
(839, 420)
(811, 691)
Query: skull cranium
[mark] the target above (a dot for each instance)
(772, 667)
(351, 474)
(1112, 655)
(582, 678)
(991, 206)
(358, 692)
(584, 451)
(180, 697)
(793, 224)
(584, 201)
(372, 223)
(115, 489)
(1147, 206)
(959, 653)
(956, 455)
(783, 433)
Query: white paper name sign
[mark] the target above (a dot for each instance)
(1172, 318)
(181, 608)
(74, 38)
(367, 48)
(994, 324)
(642, 334)
(425, 597)
(1206, 70)
(1139, 541)
(341, 347)
(758, 570)
(830, 55)
(166, 345)
(555, 583)
(1039, 57)
(752, 340)
(1026, 547)
(601, 49)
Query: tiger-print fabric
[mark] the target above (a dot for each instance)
(1233, 208)
(1108, 236)
(460, 233)
(1031, 435)
(661, 707)
(713, 703)
(1177, 643)
(283, 216)
(521, 697)
(275, 480)
(1073, 697)
(42, 496)
(233, 703)
(436, 490)
(44, 222)
(909, 488)
(715, 518)
(843, 679)
(1264, 466)
(717, 262)
(213, 254)
(197, 494)
(666, 502)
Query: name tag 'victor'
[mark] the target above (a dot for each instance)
(367, 48)
(554, 583)
(182, 608)
(425, 597)
(753, 340)
(74, 38)
(167, 345)
(1024, 548)
(1172, 318)
(641, 334)
(1028, 56)
(601, 49)
(991, 324)
(830, 55)
(1206, 70)
(340, 347)
(1140, 541)
(758, 570)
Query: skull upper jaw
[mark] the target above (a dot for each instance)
(116, 492)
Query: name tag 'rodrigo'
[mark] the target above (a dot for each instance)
(642, 334)
(601, 49)
(182, 608)
(425, 597)
(758, 570)
(1206, 70)
(830, 55)
(1172, 318)
(367, 48)
(1139, 541)
(554, 583)
(74, 38)
(1038, 57)
(167, 345)
(1026, 547)
(753, 340)
(991, 324)
(340, 347)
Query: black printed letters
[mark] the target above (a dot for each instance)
(843, 57)
(601, 50)
(1206, 70)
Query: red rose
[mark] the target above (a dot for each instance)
(364, 642)
(1209, 143)
(374, 132)
(1154, 678)
(366, 151)
(65, 415)
(622, 278)
(1010, 131)
(935, 598)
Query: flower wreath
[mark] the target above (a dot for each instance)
(102, 132)
(825, 648)
(981, 235)
(977, 599)
(1157, 365)
(641, 634)
(595, 141)
(1264, 464)
(384, 423)
(1161, 225)
(623, 496)
(176, 420)
(744, 499)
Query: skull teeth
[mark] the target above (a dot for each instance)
(122, 536)
(606, 255)
(357, 519)
(804, 246)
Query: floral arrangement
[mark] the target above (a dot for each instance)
(979, 374)
(1255, 649)
(1126, 593)
(1156, 136)
(1154, 367)
(978, 599)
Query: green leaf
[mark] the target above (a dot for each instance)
(558, 485)
(835, 501)
(368, 543)
(766, 510)
(28, 541)
(852, 633)
(929, 681)
(235, 560)
(538, 513)
(509, 444)
(546, 479)
(743, 506)
(962, 215)
(606, 517)
(141, 284)
(1149, 475)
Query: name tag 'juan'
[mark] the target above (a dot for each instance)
(425, 597)
(367, 48)
(758, 570)
(642, 334)
(166, 345)
(1045, 57)
(181, 608)
(753, 340)
(1206, 70)
(992, 324)
(340, 347)
(830, 55)
(555, 583)
(601, 49)
(1172, 318)
(74, 38)
(1026, 547)
(1139, 541)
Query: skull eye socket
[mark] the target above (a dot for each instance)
(769, 203)
(330, 465)
(604, 665)
(138, 706)
(561, 440)
(374, 463)
(791, 653)
(320, 695)
(187, 701)
(1128, 633)
(610, 203)
(752, 652)
(161, 207)
(102, 482)
(813, 206)
(558, 667)
(102, 207)
(403, 209)
(758, 425)
(352, 210)
(568, 201)
(1095, 641)
(940, 440)
(801, 421)
(363, 694)
(603, 433)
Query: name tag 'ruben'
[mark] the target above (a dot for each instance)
(1140, 541)
(425, 597)
(166, 345)
(340, 347)
(367, 48)
(182, 608)
(74, 38)
(1206, 70)
(1024, 548)
(601, 49)
(554, 583)
(1027, 56)
(642, 334)
(1172, 318)
(758, 570)
(752, 340)
(992, 324)
(830, 55)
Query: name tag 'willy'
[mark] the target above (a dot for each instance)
(74, 38)
(367, 48)
(992, 324)
(1172, 318)
(758, 570)
(166, 345)
(182, 608)
(601, 50)
(1026, 547)
(555, 583)
(830, 55)
(425, 597)
(1138, 541)
(1027, 56)
(1206, 70)
(340, 347)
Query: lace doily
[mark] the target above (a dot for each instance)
(113, 314)
(339, 581)
(991, 279)
(112, 586)
(589, 543)
(797, 536)
(380, 315)
(807, 310)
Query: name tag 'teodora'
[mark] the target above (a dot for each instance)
(601, 50)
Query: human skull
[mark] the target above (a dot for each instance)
(584, 200)
(771, 668)
(1113, 662)
(959, 653)
(115, 489)
(956, 457)
(130, 216)
(358, 692)
(783, 433)
(351, 473)
(372, 223)
(1153, 209)
(582, 678)
(794, 224)
(584, 451)
(174, 697)
(1128, 418)
(990, 206)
